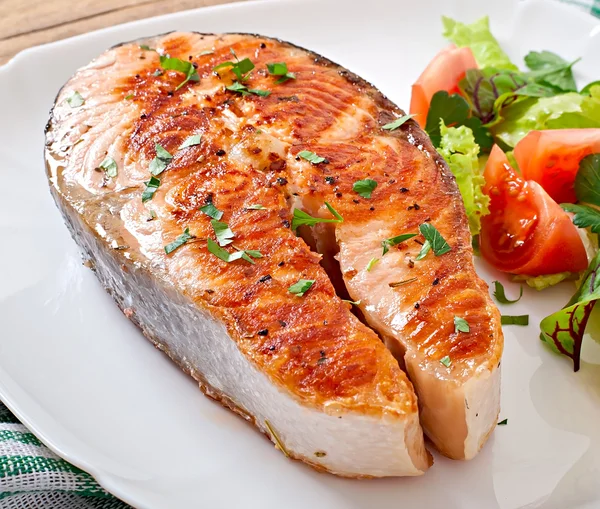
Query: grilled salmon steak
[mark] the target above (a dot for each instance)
(211, 183)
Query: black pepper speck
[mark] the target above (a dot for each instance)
(286, 223)
(281, 264)
(220, 152)
(263, 332)
(263, 45)
(330, 180)
(417, 305)
(371, 208)
(264, 279)
(403, 190)
(436, 281)
(281, 181)
(339, 195)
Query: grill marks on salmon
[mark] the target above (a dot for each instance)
(328, 383)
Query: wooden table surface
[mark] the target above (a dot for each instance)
(26, 23)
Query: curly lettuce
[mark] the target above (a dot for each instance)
(479, 38)
(458, 148)
(564, 111)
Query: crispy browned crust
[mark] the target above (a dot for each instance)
(285, 336)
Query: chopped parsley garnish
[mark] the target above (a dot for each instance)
(255, 207)
(311, 157)
(461, 325)
(514, 320)
(394, 241)
(501, 296)
(211, 211)
(228, 257)
(236, 86)
(176, 64)
(75, 100)
(151, 187)
(158, 72)
(109, 166)
(191, 141)
(145, 47)
(446, 361)
(161, 161)
(179, 241)
(424, 250)
(402, 283)
(503, 422)
(129, 97)
(364, 187)
(302, 218)
(241, 68)
(280, 69)
(301, 287)
(435, 239)
(397, 123)
(222, 232)
(371, 264)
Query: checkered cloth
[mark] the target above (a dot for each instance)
(33, 477)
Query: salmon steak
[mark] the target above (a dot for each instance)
(289, 238)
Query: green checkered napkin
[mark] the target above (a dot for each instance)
(33, 477)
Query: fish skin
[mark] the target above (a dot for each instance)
(248, 155)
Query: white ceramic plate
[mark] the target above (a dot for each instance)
(90, 386)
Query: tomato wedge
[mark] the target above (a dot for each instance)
(444, 72)
(552, 158)
(526, 231)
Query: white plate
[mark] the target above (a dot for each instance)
(85, 380)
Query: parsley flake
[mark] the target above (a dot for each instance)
(311, 157)
(129, 97)
(503, 422)
(151, 188)
(161, 161)
(211, 211)
(402, 283)
(222, 232)
(228, 257)
(179, 241)
(501, 296)
(394, 241)
(424, 250)
(302, 218)
(255, 207)
(241, 68)
(191, 141)
(145, 47)
(461, 325)
(446, 361)
(514, 320)
(280, 69)
(435, 239)
(236, 86)
(392, 126)
(371, 264)
(364, 187)
(75, 100)
(176, 64)
(301, 287)
(109, 166)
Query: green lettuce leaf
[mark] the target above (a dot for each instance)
(540, 283)
(564, 111)
(563, 331)
(478, 37)
(458, 148)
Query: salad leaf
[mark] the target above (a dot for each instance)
(587, 181)
(540, 283)
(458, 148)
(563, 331)
(478, 37)
(587, 90)
(585, 217)
(454, 111)
(563, 111)
(549, 68)
(522, 320)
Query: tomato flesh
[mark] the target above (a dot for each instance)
(526, 231)
(552, 158)
(444, 72)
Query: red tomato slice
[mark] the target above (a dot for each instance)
(552, 158)
(526, 231)
(444, 72)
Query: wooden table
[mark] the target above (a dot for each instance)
(26, 23)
